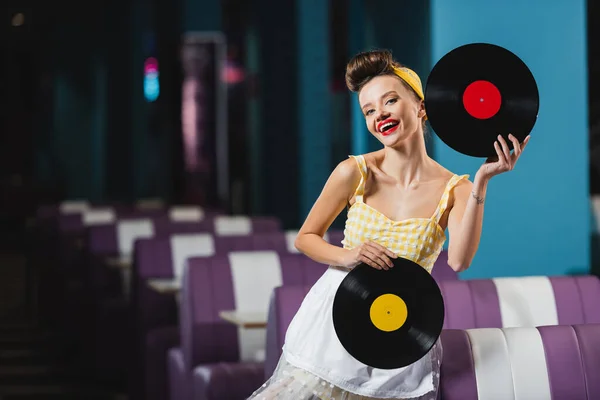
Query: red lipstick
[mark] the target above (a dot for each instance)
(387, 127)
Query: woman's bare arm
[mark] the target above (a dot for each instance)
(336, 193)
(465, 222)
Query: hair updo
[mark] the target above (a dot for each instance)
(367, 65)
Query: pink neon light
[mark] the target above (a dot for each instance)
(150, 65)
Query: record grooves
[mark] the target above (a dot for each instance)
(478, 91)
(388, 319)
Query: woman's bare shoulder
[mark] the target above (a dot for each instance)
(445, 174)
(347, 170)
(373, 158)
(344, 179)
(461, 189)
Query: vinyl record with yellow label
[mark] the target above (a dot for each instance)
(388, 319)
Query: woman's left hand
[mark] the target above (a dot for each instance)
(504, 160)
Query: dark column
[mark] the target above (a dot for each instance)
(279, 110)
(119, 125)
(314, 99)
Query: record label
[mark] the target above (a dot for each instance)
(388, 312)
(482, 99)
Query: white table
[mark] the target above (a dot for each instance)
(245, 319)
(165, 286)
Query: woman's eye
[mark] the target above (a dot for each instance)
(369, 112)
(390, 101)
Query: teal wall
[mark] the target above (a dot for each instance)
(314, 97)
(404, 28)
(537, 218)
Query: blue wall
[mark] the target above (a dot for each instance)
(537, 218)
(403, 29)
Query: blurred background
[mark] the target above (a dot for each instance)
(239, 108)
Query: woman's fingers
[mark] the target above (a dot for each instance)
(500, 153)
(525, 143)
(505, 149)
(516, 146)
(382, 249)
(378, 256)
(371, 260)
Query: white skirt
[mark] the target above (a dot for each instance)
(315, 365)
(292, 383)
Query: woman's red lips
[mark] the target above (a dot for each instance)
(387, 126)
(389, 131)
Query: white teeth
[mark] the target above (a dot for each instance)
(382, 127)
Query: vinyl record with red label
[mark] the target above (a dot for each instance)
(478, 91)
(388, 319)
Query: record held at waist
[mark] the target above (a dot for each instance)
(478, 91)
(388, 319)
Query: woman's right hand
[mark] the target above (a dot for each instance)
(370, 253)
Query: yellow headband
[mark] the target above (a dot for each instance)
(409, 76)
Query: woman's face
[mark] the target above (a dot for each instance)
(392, 112)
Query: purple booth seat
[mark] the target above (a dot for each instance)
(560, 362)
(441, 270)
(216, 360)
(47, 220)
(151, 314)
(107, 288)
(165, 257)
(73, 226)
(529, 363)
(180, 213)
(284, 305)
(283, 241)
(157, 258)
(117, 316)
(521, 301)
(49, 211)
(117, 240)
(72, 234)
(220, 225)
(67, 256)
(163, 335)
(156, 314)
(52, 211)
(227, 225)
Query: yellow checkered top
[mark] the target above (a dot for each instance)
(417, 239)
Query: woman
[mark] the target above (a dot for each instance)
(400, 202)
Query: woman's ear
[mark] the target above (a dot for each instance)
(421, 112)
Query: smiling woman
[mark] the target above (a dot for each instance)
(399, 203)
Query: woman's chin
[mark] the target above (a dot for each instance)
(395, 139)
(391, 139)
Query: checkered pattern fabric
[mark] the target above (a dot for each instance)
(417, 239)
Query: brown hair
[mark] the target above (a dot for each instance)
(367, 65)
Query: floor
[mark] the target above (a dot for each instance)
(33, 363)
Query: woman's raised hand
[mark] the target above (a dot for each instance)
(504, 160)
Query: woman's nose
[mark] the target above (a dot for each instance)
(382, 114)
